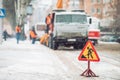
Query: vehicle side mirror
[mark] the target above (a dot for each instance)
(90, 21)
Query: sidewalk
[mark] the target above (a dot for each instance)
(26, 61)
(12, 43)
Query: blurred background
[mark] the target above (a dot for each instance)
(30, 12)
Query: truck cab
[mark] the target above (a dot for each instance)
(93, 30)
(69, 29)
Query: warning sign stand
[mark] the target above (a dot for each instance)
(88, 54)
(88, 72)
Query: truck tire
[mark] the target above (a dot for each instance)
(95, 42)
(50, 44)
(81, 46)
(76, 46)
(54, 46)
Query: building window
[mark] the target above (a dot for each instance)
(98, 1)
(98, 11)
(110, 0)
(92, 10)
(107, 1)
(93, 1)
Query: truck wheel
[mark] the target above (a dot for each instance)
(76, 47)
(50, 45)
(95, 42)
(54, 46)
(81, 46)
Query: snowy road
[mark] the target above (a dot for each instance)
(25, 61)
(107, 69)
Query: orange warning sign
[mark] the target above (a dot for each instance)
(88, 53)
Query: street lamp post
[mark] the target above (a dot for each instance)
(29, 11)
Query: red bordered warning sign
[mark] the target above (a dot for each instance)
(89, 53)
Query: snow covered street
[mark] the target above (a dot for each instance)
(26, 61)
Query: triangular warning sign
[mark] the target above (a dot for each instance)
(88, 53)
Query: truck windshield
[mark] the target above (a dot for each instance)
(71, 18)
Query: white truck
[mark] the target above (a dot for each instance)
(93, 30)
(70, 29)
(40, 29)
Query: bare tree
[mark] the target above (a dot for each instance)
(116, 16)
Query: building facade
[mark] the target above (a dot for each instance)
(102, 9)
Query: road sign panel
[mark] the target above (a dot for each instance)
(2, 13)
(88, 53)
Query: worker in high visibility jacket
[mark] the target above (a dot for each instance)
(44, 39)
(33, 35)
(51, 27)
(30, 31)
(18, 31)
(48, 22)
